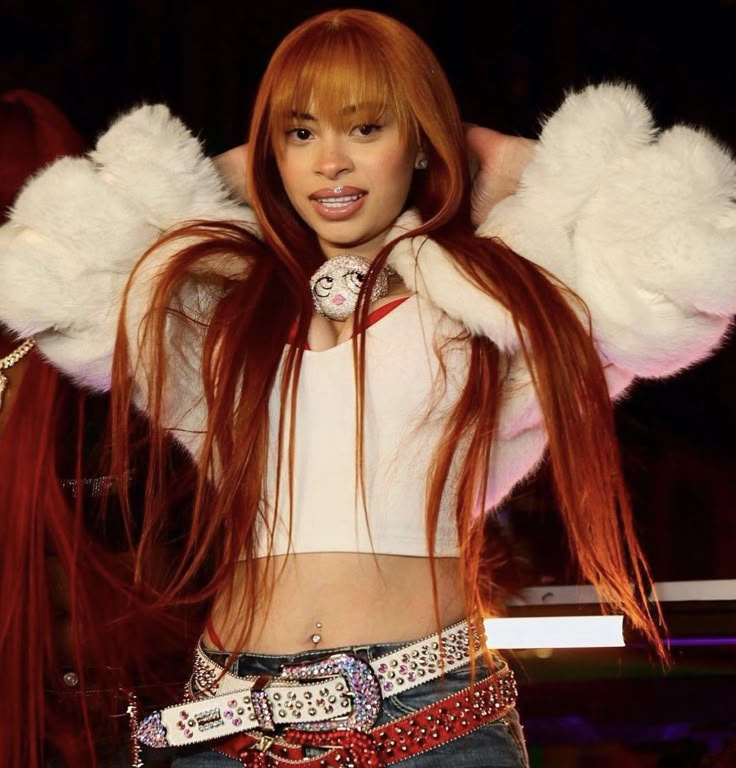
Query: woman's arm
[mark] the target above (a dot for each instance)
(497, 162)
(231, 166)
(641, 224)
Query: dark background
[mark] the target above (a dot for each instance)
(509, 63)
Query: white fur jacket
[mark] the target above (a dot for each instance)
(641, 224)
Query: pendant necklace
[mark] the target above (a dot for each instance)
(336, 285)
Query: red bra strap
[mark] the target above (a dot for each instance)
(373, 317)
(383, 310)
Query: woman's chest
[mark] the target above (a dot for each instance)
(410, 369)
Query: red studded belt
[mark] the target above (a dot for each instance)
(446, 720)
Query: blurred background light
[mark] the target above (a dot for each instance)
(555, 632)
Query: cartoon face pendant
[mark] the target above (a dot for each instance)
(337, 283)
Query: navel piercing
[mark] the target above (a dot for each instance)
(316, 637)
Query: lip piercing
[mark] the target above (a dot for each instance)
(337, 190)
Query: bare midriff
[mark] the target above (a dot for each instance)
(356, 598)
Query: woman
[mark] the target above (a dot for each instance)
(345, 456)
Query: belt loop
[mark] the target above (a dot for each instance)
(367, 650)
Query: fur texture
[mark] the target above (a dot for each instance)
(78, 228)
(641, 225)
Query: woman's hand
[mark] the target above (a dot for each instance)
(496, 164)
(231, 166)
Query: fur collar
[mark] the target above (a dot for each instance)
(427, 268)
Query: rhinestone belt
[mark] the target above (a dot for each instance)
(340, 692)
(451, 718)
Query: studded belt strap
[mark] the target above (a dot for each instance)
(341, 691)
(447, 719)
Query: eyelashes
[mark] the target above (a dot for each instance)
(367, 129)
(300, 134)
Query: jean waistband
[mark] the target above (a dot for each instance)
(267, 663)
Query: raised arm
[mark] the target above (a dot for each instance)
(77, 231)
(78, 228)
(497, 162)
(640, 223)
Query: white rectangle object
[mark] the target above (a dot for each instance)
(555, 632)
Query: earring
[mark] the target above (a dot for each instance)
(421, 162)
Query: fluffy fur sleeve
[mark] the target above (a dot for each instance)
(78, 228)
(640, 223)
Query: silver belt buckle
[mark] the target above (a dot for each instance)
(362, 688)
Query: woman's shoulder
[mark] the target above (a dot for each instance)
(429, 269)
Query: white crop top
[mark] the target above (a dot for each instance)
(406, 403)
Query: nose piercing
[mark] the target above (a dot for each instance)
(337, 190)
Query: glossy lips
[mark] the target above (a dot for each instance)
(339, 203)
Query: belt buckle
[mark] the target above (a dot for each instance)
(362, 687)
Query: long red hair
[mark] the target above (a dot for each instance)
(68, 599)
(68, 603)
(372, 61)
(37, 518)
(50, 566)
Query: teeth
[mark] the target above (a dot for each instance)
(338, 202)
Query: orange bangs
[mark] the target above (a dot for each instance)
(333, 68)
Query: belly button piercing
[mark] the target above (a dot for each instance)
(317, 637)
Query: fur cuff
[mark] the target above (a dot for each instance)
(151, 157)
(79, 227)
(641, 225)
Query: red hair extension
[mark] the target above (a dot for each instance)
(40, 524)
(65, 580)
(34, 133)
(60, 558)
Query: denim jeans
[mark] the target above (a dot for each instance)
(495, 745)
